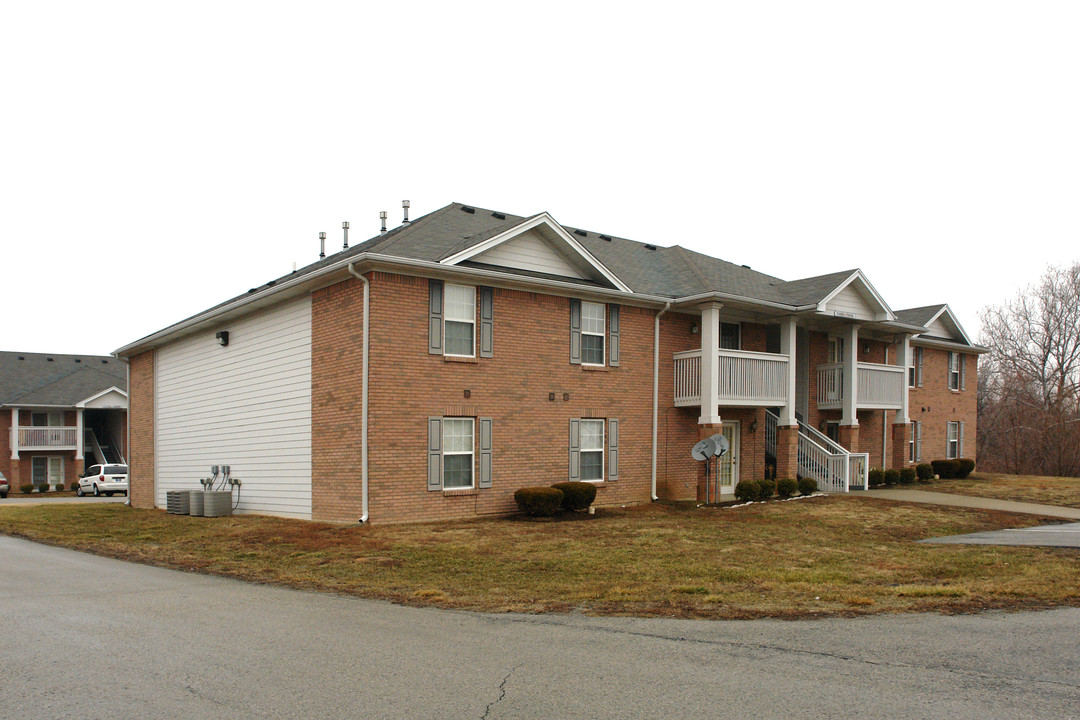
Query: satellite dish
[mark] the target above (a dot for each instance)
(704, 449)
(722, 445)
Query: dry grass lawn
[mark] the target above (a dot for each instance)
(1021, 488)
(817, 557)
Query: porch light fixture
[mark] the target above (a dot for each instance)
(222, 337)
(753, 426)
(694, 329)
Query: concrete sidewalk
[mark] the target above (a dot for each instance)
(937, 498)
(1067, 535)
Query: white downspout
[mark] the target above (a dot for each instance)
(656, 391)
(364, 401)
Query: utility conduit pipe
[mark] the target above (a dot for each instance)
(656, 391)
(364, 400)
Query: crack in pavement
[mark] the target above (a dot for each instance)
(552, 622)
(502, 692)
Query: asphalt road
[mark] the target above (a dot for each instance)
(89, 637)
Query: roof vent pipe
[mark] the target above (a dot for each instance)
(382, 216)
(345, 227)
(322, 245)
(405, 206)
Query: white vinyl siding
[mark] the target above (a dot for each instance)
(592, 333)
(247, 405)
(849, 302)
(528, 251)
(460, 322)
(940, 329)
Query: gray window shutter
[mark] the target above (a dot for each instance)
(918, 441)
(435, 317)
(485, 452)
(575, 449)
(613, 449)
(918, 368)
(487, 322)
(613, 335)
(948, 370)
(963, 371)
(434, 453)
(960, 440)
(575, 332)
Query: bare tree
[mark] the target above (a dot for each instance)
(1029, 384)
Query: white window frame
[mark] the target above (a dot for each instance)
(954, 371)
(952, 440)
(835, 349)
(50, 461)
(471, 452)
(448, 290)
(912, 368)
(602, 449)
(602, 334)
(912, 435)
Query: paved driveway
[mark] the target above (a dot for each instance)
(89, 637)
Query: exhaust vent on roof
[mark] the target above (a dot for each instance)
(499, 215)
(48, 359)
(466, 208)
(78, 360)
(649, 247)
(582, 233)
(606, 237)
(747, 267)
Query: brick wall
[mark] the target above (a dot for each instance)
(934, 404)
(141, 417)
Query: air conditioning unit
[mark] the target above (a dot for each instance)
(178, 502)
(217, 503)
(197, 502)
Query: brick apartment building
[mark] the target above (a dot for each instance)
(432, 370)
(57, 410)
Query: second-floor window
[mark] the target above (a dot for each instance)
(729, 336)
(593, 330)
(914, 367)
(954, 371)
(460, 320)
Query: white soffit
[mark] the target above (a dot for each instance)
(856, 298)
(539, 244)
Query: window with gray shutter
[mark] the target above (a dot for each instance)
(919, 359)
(963, 372)
(575, 332)
(575, 450)
(613, 335)
(434, 472)
(918, 441)
(487, 322)
(613, 449)
(435, 317)
(485, 452)
(960, 441)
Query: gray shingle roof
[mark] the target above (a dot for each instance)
(63, 380)
(920, 315)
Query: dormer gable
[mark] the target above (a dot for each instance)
(944, 326)
(856, 298)
(112, 398)
(539, 244)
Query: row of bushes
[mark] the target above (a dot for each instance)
(923, 472)
(751, 490)
(549, 501)
(907, 476)
(953, 468)
(29, 488)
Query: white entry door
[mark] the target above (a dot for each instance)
(728, 471)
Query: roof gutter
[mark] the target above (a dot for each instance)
(656, 392)
(364, 398)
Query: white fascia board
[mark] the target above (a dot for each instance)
(953, 345)
(541, 219)
(92, 398)
(946, 310)
(887, 315)
(716, 296)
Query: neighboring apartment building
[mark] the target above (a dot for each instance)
(57, 410)
(432, 370)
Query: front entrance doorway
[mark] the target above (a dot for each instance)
(728, 470)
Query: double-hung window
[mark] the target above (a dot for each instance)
(729, 336)
(592, 449)
(915, 441)
(954, 371)
(460, 320)
(952, 440)
(593, 330)
(457, 448)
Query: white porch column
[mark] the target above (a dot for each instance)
(710, 364)
(903, 359)
(787, 347)
(851, 377)
(79, 434)
(14, 434)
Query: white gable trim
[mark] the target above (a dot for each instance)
(92, 398)
(950, 318)
(559, 230)
(884, 313)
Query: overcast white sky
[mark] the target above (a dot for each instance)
(159, 158)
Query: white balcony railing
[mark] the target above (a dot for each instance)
(881, 387)
(746, 378)
(47, 438)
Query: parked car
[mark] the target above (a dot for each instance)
(3, 486)
(103, 480)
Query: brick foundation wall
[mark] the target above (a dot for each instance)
(141, 417)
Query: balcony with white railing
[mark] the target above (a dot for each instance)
(47, 438)
(880, 387)
(751, 379)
